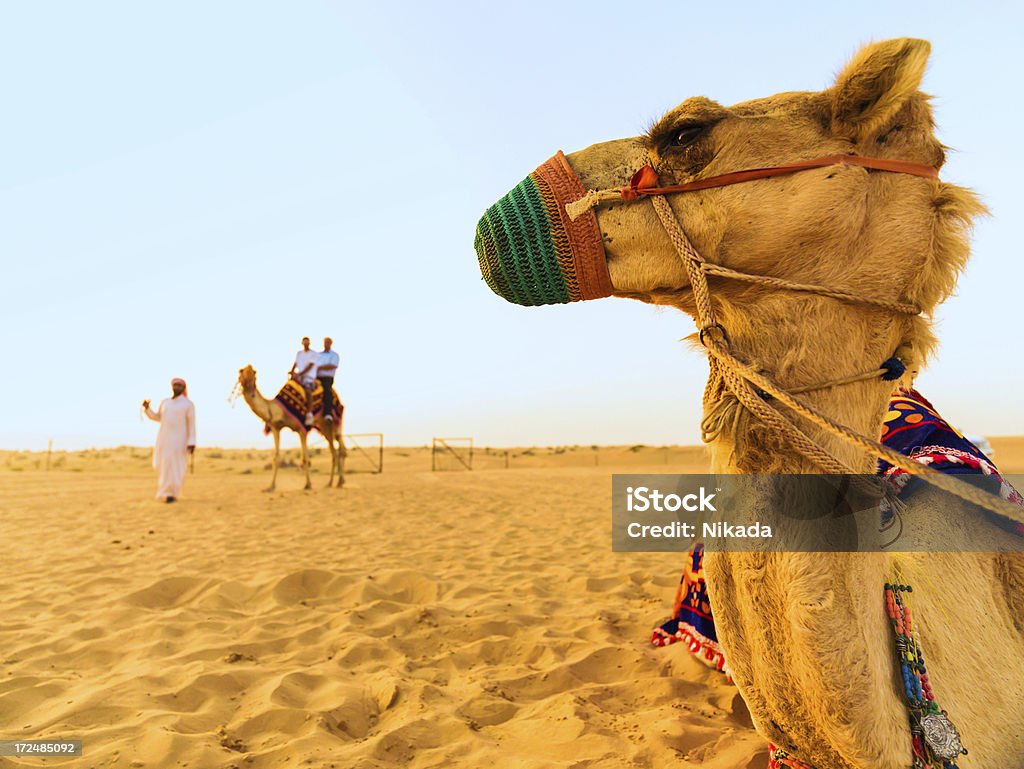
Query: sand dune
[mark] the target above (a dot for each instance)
(412, 619)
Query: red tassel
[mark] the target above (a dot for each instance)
(643, 179)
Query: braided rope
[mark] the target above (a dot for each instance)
(874, 374)
(940, 480)
(737, 377)
(772, 417)
(740, 388)
(690, 256)
(835, 293)
(692, 261)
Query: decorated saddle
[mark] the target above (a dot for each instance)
(292, 398)
(913, 427)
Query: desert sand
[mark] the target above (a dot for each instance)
(413, 618)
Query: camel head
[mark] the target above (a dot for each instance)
(894, 237)
(836, 225)
(247, 380)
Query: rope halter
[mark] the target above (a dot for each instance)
(754, 391)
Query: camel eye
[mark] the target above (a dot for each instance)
(686, 135)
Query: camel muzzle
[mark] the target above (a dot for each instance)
(532, 253)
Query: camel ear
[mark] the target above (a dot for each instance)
(876, 83)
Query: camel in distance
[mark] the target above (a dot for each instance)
(277, 418)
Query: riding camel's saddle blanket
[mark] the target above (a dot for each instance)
(292, 398)
(913, 427)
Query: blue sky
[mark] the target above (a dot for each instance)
(188, 188)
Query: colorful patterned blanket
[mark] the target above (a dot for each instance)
(293, 398)
(913, 427)
(691, 620)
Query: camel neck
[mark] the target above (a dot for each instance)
(812, 341)
(258, 404)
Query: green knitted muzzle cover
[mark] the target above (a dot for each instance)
(531, 253)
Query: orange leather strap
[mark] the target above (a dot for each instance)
(645, 180)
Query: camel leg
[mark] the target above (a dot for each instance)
(277, 452)
(342, 453)
(330, 447)
(305, 460)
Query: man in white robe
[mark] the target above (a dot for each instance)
(175, 440)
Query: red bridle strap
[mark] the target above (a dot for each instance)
(644, 181)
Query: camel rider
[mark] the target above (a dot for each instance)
(304, 372)
(327, 367)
